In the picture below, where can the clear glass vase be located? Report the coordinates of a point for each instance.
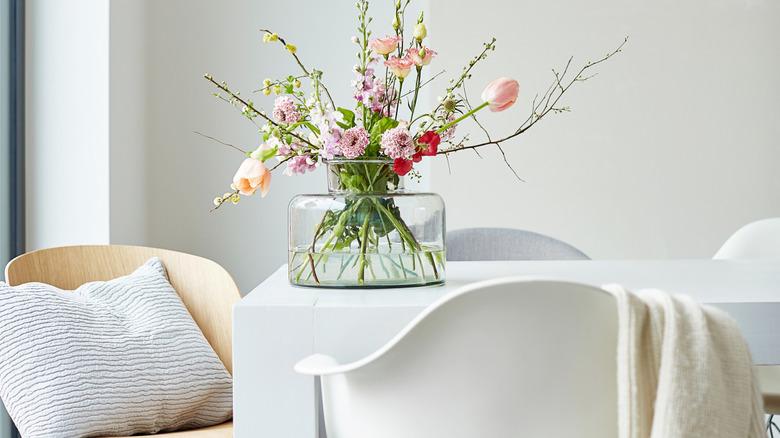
(366, 232)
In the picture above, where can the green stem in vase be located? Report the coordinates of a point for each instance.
(363, 246)
(336, 233)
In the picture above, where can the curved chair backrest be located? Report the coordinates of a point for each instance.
(502, 358)
(206, 289)
(756, 240)
(507, 244)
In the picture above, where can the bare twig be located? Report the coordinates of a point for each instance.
(222, 142)
(222, 86)
(424, 83)
(300, 64)
(548, 102)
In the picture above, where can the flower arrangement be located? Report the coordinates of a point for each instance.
(381, 135)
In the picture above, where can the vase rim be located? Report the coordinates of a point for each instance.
(359, 160)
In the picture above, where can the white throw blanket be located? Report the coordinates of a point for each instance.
(684, 370)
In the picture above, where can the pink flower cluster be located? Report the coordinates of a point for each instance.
(353, 143)
(370, 91)
(300, 164)
(330, 143)
(330, 133)
(398, 142)
(285, 110)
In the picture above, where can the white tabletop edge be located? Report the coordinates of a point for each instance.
(708, 281)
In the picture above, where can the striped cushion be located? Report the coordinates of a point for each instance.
(111, 358)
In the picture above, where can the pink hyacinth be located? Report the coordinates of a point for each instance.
(330, 143)
(300, 164)
(353, 143)
(397, 142)
(285, 111)
(370, 91)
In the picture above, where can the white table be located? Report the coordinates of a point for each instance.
(277, 324)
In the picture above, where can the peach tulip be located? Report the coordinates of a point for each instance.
(251, 175)
(384, 46)
(501, 94)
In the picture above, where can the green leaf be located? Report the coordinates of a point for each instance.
(268, 154)
(312, 128)
(353, 182)
(349, 118)
(381, 126)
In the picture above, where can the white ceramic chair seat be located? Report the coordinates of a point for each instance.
(756, 240)
(501, 358)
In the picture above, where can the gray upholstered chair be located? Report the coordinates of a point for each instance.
(507, 244)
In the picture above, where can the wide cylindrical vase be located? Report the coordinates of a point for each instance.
(366, 232)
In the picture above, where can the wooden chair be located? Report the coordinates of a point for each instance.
(206, 289)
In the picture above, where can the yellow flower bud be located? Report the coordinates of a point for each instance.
(266, 82)
(297, 83)
(396, 23)
(267, 91)
(217, 201)
(420, 32)
(291, 48)
(235, 198)
(277, 89)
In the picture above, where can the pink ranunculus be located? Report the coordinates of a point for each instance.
(399, 66)
(354, 141)
(251, 175)
(420, 57)
(384, 46)
(501, 94)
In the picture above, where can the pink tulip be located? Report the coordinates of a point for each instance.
(384, 46)
(400, 66)
(501, 94)
(420, 59)
(251, 175)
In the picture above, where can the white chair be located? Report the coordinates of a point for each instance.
(507, 244)
(756, 240)
(501, 358)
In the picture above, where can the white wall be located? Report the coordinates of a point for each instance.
(67, 122)
(669, 150)
(127, 122)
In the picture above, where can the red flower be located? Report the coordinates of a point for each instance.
(402, 166)
(431, 141)
(417, 157)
